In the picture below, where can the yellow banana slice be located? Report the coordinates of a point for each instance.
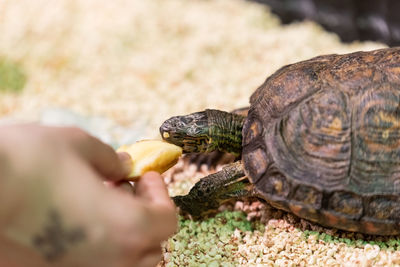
(151, 155)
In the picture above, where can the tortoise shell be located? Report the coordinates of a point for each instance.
(322, 140)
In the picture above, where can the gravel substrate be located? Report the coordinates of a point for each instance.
(137, 63)
(251, 233)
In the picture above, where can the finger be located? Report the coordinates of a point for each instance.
(109, 164)
(150, 213)
(160, 210)
(128, 223)
(123, 186)
(126, 187)
(142, 223)
(150, 258)
(152, 188)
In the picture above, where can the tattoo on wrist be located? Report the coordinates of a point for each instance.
(55, 239)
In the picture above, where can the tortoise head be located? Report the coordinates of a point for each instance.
(191, 132)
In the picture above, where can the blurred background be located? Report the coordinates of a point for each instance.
(350, 19)
(119, 68)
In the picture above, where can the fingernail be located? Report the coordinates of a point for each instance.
(126, 161)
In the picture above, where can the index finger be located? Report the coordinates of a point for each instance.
(102, 157)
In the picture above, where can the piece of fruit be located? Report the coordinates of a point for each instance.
(151, 155)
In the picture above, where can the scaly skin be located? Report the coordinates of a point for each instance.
(213, 190)
(205, 131)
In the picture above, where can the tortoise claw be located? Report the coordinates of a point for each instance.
(211, 191)
(193, 207)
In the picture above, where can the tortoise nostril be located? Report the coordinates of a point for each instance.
(166, 126)
(164, 131)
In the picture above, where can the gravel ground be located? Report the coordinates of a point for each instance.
(136, 63)
(251, 233)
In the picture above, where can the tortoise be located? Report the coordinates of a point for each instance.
(321, 139)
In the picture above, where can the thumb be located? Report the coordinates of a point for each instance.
(152, 193)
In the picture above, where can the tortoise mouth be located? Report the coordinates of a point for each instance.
(170, 136)
(188, 143)
(188, 132)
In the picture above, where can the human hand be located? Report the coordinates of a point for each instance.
(56, 211)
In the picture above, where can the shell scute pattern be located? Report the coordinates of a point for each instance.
(346, 203)
(376, 159)
(308, 196)
(384, 208)
(313, 141)
(276, 184)
(330, 135)
(257, 164)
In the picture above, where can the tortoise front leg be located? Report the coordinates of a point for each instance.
(211, 191)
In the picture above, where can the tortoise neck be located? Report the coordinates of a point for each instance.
(225, 130)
